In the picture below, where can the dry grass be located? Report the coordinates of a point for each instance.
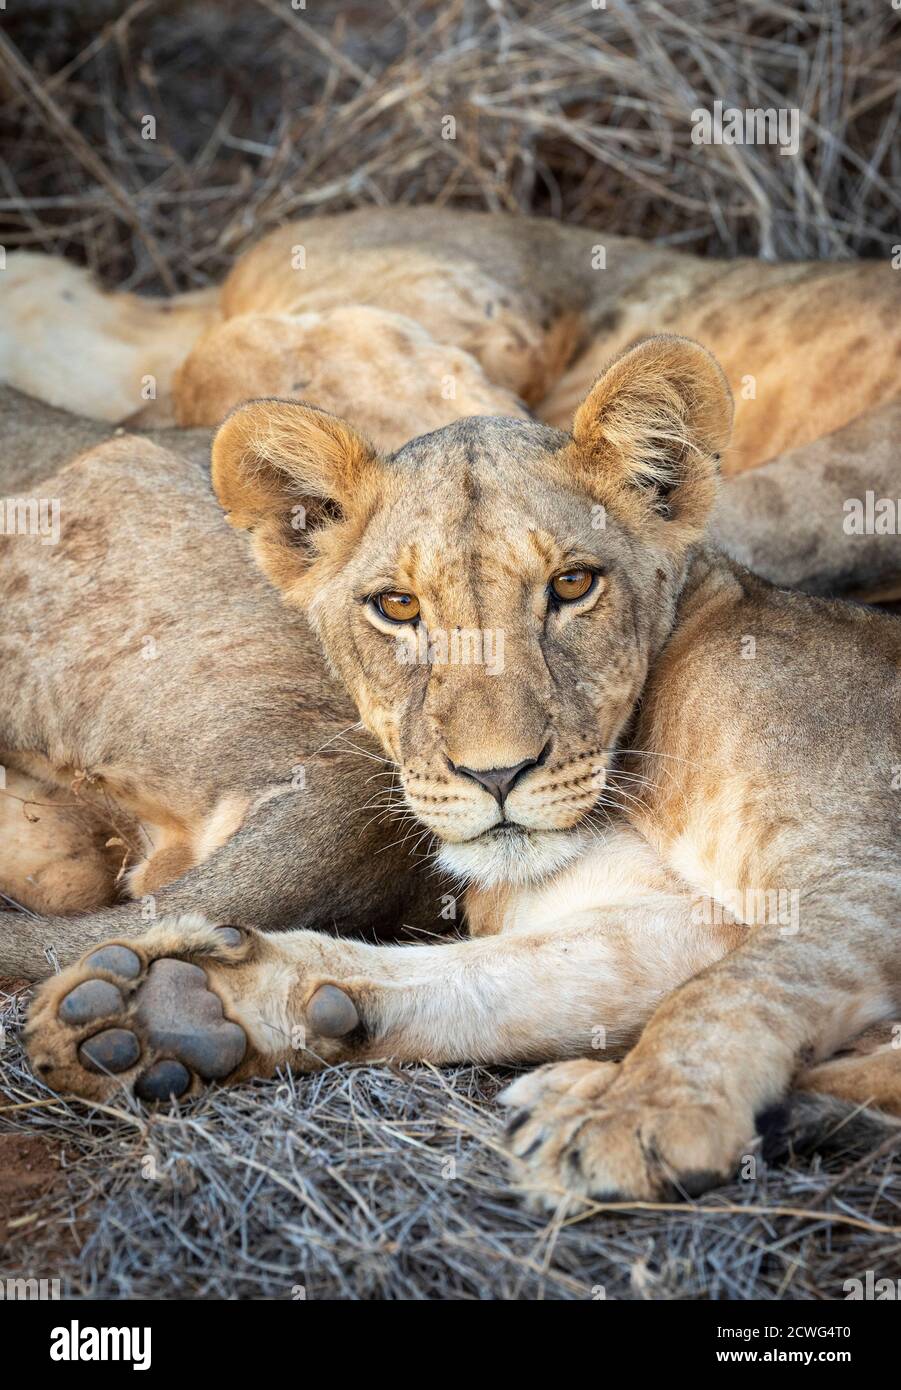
(341, 1183)
(390, 1183)
(264, 113)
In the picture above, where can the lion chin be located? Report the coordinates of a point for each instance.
(512, 855)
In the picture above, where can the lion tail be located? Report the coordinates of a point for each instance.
(110, 356)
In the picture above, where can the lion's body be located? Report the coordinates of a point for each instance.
(197, 699)
(411, 304)
(152, 678)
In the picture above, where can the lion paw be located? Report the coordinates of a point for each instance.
(586, 1129)
(146, 1014)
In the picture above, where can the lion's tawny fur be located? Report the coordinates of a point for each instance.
(727, 769)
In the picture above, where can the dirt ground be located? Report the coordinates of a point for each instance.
(29, 1165)
(28, 1170)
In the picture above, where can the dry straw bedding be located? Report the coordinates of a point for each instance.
(264, 112)
(390, 1183)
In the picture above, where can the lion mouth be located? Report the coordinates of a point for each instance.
(501, 830)
(512, 830)
(512, 833)
(513, 854)
(506, 831)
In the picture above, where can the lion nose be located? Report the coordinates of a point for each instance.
(498, 781)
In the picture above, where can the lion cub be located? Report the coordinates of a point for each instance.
(610, 729)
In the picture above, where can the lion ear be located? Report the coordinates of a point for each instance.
(283, 470)
(653, 428)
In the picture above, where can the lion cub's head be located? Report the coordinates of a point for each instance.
(492, 593)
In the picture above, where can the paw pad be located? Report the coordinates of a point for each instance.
(179, 1014)
(113, 1050)
(160, 1027)
(118, 960)
(331, 1012)
(90, 1000)
(163, 1080)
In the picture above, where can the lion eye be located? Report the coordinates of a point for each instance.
(572, 584)
(398, 608)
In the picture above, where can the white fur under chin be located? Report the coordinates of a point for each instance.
(518, 859)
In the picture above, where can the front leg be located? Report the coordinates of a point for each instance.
(191, 1002)
(675, 1118)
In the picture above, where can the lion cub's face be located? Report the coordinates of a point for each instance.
(494, 633)
(491, 595)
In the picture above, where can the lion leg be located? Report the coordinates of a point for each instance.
(191, 1002)
(719, 1054)
(284, 868)
(870, 1074)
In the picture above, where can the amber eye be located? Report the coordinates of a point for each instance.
(399, 608)
(572, 584)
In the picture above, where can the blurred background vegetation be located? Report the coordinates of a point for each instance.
(264, 112)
